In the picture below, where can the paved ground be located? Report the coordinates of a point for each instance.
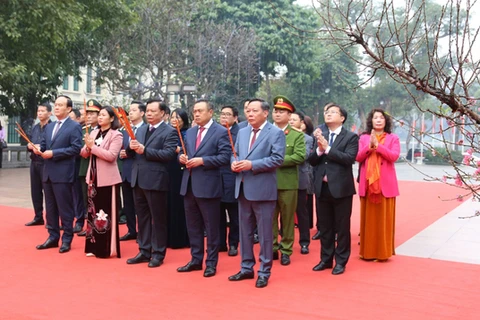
(453, 237)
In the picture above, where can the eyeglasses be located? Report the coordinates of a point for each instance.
(226, 114)
(331, 112)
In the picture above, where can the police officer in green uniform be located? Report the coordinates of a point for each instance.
(287, 180)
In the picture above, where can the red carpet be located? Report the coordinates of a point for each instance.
(47, 285)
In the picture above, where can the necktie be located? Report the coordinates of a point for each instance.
(199, 137)
(332, 135)
(57, 126)
(152, 128)
(253, 138)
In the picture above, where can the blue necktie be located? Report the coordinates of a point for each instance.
(331, 139)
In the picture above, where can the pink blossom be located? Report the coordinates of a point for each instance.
(477, 172)
(470, 151)
(460, 142)
(458, 181)
(470, 135)
(466, 159)
(459, 198)
(444, 179)
(450, 123)
(478, 163)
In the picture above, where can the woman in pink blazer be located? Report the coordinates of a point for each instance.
(378, 150)
(103, 179)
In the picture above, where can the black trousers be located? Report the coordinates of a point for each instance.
(36, 188)
(334, 218)
(129, 207)
(151, 206)
(303, 219)
(230, 208)
(79, 202)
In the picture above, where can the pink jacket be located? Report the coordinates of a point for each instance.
(389, 151)
(107, 154)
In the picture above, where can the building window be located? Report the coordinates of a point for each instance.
(75, 83)
(98, 89)
(89, 80)
(65, 83)
(175, 98)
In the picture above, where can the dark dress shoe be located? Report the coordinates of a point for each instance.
(190, 267)
(35, 222)
(241, 276)
(155, 263)
(122, 220)
(322, 266)
(285, 261)
(209, 272)
(316, 236)
(233, 251)
(48, 244)
(223, 249)
(338, 269)
(82, 234)
(275, 255)
(139, 258)
(128, 236)
(64, 248)
(304, 250)
(262, 282)
(77, 229)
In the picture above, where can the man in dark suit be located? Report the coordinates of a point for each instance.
(136, 113)
(44, 111)
(60, 145)
(154, 146)
(229, 204)
(261, 150)
(207, 151)
(336, 150)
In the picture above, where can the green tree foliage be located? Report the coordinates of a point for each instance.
(40, 41)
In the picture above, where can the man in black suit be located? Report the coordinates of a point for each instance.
(60, 145)
(136, 113)
(334, 187)
(229, 204)
(154, 146)
(207, 151)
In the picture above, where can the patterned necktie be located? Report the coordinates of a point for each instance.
(255, 131)
(199, 137)
(332, 135)
(57, 126)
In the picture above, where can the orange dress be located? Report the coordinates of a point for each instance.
(377, 228)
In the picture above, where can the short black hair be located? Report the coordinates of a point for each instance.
(300, 114)
(264, 104)
(209, 104)
(308, 125)
(116, 123)
(183, 115)
(343, 112)
(167, 110)
(69, 100)
(141, 105)
(46, 104)
(234, 110)
(75, 111)
(162, 105)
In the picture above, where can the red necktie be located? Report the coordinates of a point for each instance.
(253, 138)
(199, 137)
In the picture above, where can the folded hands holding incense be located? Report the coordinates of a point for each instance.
(190, 163)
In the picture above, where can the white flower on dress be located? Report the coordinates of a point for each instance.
(102, 215)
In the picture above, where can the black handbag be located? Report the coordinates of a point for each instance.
(3, 145)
